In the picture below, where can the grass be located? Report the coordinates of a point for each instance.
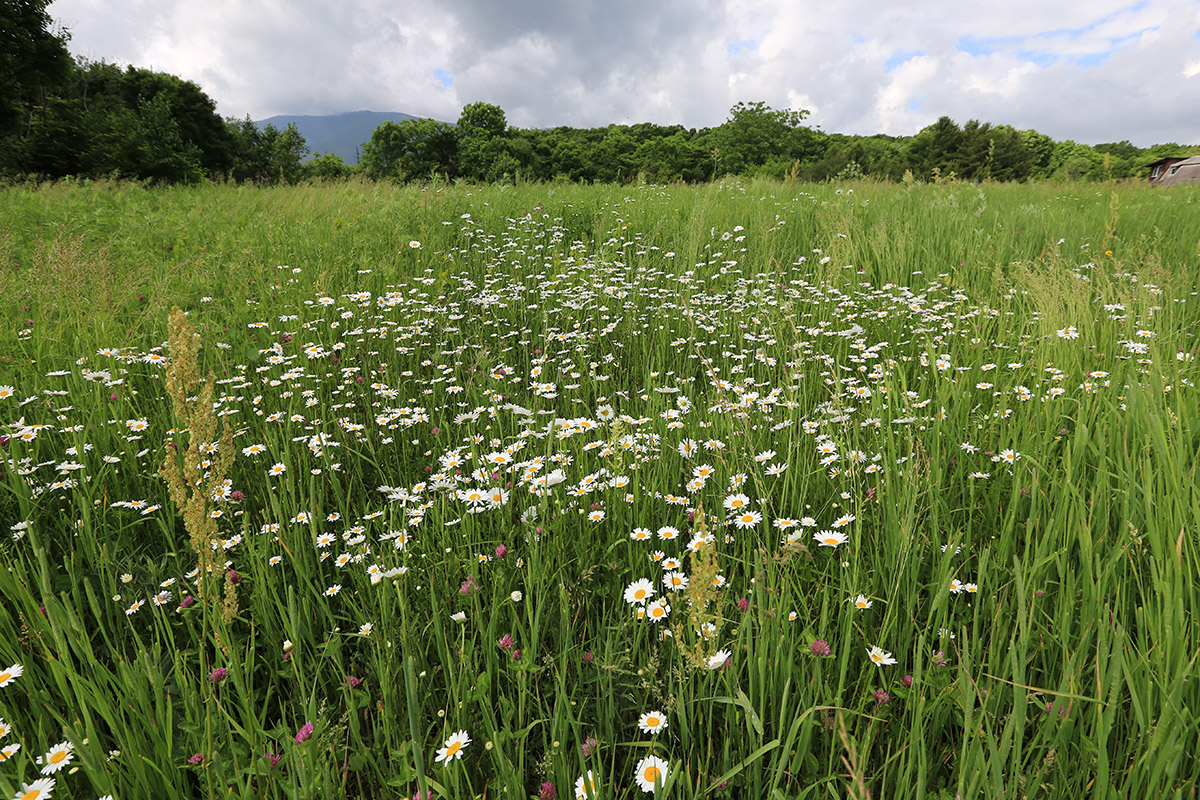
(638, 383)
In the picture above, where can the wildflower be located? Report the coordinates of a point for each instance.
(843, 521)
(743, 604)
(365, 629)
(719, 659)
(547, 791)
(907, 681)
(37, 790)
(196, 758)
(747, 519)
(11, 674)
(305, 733)
(59, 756)
(820, 648)
(333, 590)
(658, 610)
(639, 591)
(880, 658)
(736, 501)
(454, 747)
(675, 581)
(651, 770)
(882, 697)
(829, 538)
(586, 787)
(506, 642)
(8, 751)
(460, 616)
(217, 675)
(652, 722)
(861, 602)
(277, 469)
(516, 596)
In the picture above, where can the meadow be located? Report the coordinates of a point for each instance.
(747, 490)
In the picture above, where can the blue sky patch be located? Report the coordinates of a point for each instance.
(899, 57)
(445, 77)
(744, 46)
(1039, 57)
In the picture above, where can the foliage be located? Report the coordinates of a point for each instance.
(34, 61)
(267, 155)
(415, 148)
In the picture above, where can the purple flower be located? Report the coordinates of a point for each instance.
(506, 642)
(881, 696)
(588, 657)
(187, 602)
(501, 551)
(305, 733)
(234, 577)
(236, 496)
(468, 585)
(274, 759)
(217, 675)
(907, 681)
(196, 759)
(820, 648)
(743, 604)
(547, 791)
(588, 746)
(516, 654)
(353, 682)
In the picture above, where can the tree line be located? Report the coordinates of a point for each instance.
(62, 117)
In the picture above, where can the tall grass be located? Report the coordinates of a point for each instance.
(1013, 363)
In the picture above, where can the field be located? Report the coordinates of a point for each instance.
(747, 490)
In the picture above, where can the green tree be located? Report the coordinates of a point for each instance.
(937, 146)
(326, 167)
(415, 148)
(267, 155)
(481, 131)
(1040, 148)
(34, 61)
(755, 134)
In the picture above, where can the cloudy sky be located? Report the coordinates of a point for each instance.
(1089, 70)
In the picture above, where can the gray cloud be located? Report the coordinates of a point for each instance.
(1119, 70)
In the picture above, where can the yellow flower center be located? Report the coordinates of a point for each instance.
(452, 749)
(652, 722)
(5, 676)
(639, 594)
(651, 774)
(32, 794)
(58, 757)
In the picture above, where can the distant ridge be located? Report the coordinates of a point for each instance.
(340, 134)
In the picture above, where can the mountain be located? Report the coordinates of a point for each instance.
(340, 134)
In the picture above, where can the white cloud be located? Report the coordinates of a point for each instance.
(1116, 69)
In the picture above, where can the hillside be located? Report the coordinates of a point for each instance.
(340, 134)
